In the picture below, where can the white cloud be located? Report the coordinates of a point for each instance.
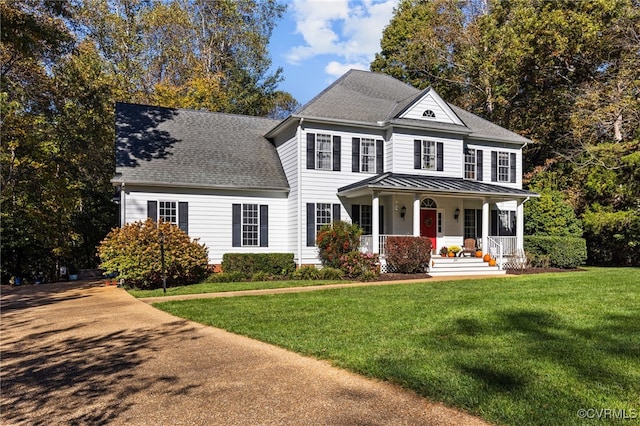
(336, 69)
(350, 31)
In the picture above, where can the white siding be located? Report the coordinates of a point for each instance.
(210, 219)
(288, 152)
(489, 147)
(403, 155)
(431, 101)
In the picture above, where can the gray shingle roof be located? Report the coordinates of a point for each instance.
(403, 182)
(374, 98)
(177, 147)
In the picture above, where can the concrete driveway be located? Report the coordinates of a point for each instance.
(80, 353)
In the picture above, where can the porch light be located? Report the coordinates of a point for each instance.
(403, 211)
(456, 214)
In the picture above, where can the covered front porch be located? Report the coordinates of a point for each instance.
(446, 210)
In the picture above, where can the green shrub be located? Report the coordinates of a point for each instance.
(562, 252)
(278, 264)
(261, 276)
(551, 214)
(336, 240)
(307, 272)
(133, 252)
(329, 273)
(360, 266)
(408, 255)
(226, 277)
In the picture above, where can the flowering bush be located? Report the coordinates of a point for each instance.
(336, 240)
(133, 252)
(408, 255)
(360, 266)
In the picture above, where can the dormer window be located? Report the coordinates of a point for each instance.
(429, 114)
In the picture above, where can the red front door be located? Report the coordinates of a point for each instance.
(428, 226)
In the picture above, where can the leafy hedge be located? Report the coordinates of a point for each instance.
(560, 252)
(408, 255)
(133, 252)
(278, 264)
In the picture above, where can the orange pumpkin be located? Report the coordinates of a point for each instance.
(486, 257)
(451, 254)
(479, 253)
(492, 262)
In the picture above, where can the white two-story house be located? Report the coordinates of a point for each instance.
(369, 149)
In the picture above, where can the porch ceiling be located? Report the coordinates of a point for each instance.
(394, 182)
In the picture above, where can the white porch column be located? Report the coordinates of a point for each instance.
(375, 226)
(416, 215)
(485, 226)
(520, 226)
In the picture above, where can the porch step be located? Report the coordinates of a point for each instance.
(450, 266)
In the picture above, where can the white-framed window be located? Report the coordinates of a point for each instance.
(429, 155)
(250, 225)
(367, 155)
(470, 163)
(168, 211)
(440, 223)
(366, 219)
(324, 152)
(471, 226)
(323, 215)
(503, 166)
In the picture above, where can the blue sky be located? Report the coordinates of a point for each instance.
(319, 40)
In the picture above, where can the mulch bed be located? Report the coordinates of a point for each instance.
(404, 277)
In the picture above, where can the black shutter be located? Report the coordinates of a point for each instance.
(336, 212)
(355, 155)
(152, 210)
(355, 214)
(311, 224)
(417, 154)
(512, 163)
(379, 156)
(478, 224)
(381, 220)
(264, 226)
(311, 151)
(440, 156)
(494, 166)
(183, 216)
(337, 146)
(236, 219)
(478, 164)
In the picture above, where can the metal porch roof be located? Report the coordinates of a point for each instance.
(434, 184)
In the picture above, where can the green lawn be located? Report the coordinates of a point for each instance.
(532, 349)
(223, 287)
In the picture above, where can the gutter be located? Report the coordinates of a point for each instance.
(189, 185)
(299, 194)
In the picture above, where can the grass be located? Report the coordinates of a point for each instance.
(532, 349)
(223, 287)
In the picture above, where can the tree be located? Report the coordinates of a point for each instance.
(565, 74)
(190, 53)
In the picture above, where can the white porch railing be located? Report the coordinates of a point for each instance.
(496, 250)
(366, 243)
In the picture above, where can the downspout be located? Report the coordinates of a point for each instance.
(299, 192)
(123, 206)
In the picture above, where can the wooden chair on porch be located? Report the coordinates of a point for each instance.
(469, 247)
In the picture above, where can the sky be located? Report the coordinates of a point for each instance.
(317, 41)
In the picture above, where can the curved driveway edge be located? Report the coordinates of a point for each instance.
(80, 353)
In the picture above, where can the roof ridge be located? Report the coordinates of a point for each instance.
(199, 111)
